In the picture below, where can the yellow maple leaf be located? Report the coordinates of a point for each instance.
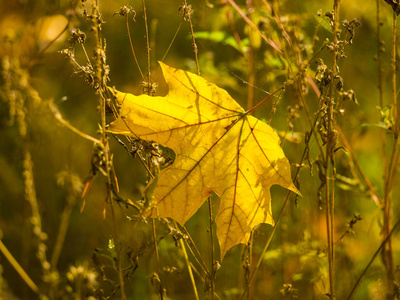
(219, 148)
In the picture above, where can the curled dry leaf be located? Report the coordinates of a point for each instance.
(219, 148)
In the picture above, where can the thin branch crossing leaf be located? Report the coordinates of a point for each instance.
(219, 148)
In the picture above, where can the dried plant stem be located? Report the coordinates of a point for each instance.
(313, 131)
(23, 99)
(370, 187)
(153, 42)
(212, 270)
(250, 64)
(202, 279)
(118, 250)
(387, 251)
(329, 222)
(394, 88)
(229, 17)
(86, 55)
(182, 244)
(62, 231)
(278, 22)
(47, 46)
(132, 48)
(101, 77)
(372, 260)
(147, 47)
(110, 198)
(300, 64)
(18, 268)
(196, 253)
(250, 261)
(193, 40)
(66, 124)
(30, 191)
(330, 155)
(30, 195)
(169, 46)
(380, 87)
(250, 246)
(253, 26)
(158, 266)
(266, 98)
(172, 41)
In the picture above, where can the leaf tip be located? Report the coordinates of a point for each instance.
(294, 189)
(163, 65)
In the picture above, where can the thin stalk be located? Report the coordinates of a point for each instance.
(173, 40)
(394, 170)
(212, 277)
(193, 40)
(250, 63)
(372, 260)
(118, 249)
(182, 244)
(41, 51)
(370, 187)
(147, 48)
(31, 197)
(394, 88)
(100, 75)
(314, 132)
(86, 55)
(202, 279)
(250, 245)
(387, 252)
(330, 157)
(253, 26)
(229, 17)
(153, 35)
(266, 98)
(17, 267)
(161, 290)
(62, 231)
(66, 124)
(197, 256)
(329, 234)
(380, 87)
(132, 48)
(266, 245)
(169, 46)
(278, 22)
(300, 65)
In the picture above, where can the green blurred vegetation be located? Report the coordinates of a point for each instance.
(36, 78)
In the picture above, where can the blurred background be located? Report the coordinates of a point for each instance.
(46, 163)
